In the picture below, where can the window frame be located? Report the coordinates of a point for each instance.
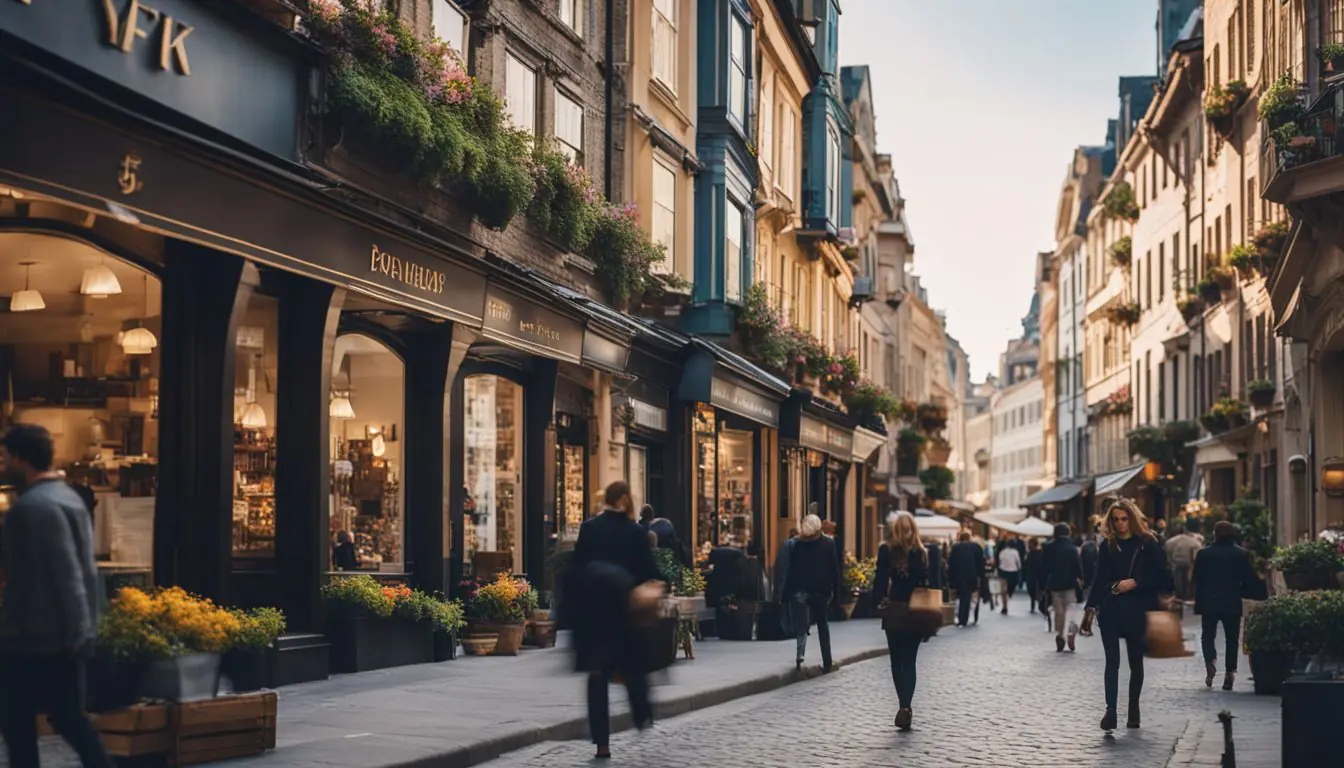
(738, 69)
(510, 58)
(575, 154)
(788, 150)
(666, 17)
(668, 265)
(459, 48)
(832, 171)
(575, 21)
(730, 204)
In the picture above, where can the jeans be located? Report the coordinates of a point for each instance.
(59, 682)
(1059, 606)
(904, 649)
(1231, 631)
(1182, 578)
(1134, 647)
(964, 598)
(599, 710)
(816, 607)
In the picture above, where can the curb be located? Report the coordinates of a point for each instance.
(571, 730)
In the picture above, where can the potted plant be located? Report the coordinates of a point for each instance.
(1191, 307)
(1120, 203)
(937, 482)
(1224, 276)
(1209, 291)
(501, 607)
(1332, 56)
(909, 447)
(1222, 102)
(938, 452)
(1126, 314)
(863, 602)
(1276, 632)
(1233, 410)
(1309, 564)
(1280, 104)
(367, 628)
(167, 644)
(1261, 393)
(250, 662)
(841, 377)
(1269, 242)
(1244, 259)
(443, 617)
(689, 591)
(854, 579)
(850, 253)
(932, 417)
(1122, 251)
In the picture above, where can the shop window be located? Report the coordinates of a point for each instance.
(571, 452)
(255, 353)
(368, 398)
(724, 478)
(492, 538)
(80, 356)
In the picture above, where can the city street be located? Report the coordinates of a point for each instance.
(993, 695)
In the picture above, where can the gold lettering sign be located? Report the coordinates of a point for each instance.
(124, 28)
(406, 272)
(540, 330)
(498, 310)
(129, 180)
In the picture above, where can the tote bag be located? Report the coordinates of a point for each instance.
(923, 615)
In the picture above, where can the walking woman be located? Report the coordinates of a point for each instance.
(902, 565)
(807, 574)
(1130, 570)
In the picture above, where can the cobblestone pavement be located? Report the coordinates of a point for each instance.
(994, 695)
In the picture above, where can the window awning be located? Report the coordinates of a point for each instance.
(910, 487)
(1114, 481)
(1064, 492)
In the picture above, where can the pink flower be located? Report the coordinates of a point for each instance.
(385, 40)
(328, 12)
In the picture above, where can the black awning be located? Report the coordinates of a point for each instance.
(1064, 492)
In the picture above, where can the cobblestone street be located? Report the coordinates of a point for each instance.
(993, 695)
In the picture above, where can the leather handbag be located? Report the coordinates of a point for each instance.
(922, 615)
(1164, 638)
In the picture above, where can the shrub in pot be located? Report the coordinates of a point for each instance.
(366, 629)
(250, 663)
(1309, 564)
(1261, 393)
(1275, 632)
(501, 607)
(444, 617)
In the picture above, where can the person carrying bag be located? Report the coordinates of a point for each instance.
(910, 611)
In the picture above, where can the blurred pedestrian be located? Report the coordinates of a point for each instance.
(1061, 575)
(1130, 571)
(1010, 571)
(49, 612)
(1222, 576)
(1031, 574)
(902, 566)
(646, 516)
(1180, 552)
(807, 580)
(1088, 553)
(965, 568)
(669, 539)
(614, 572)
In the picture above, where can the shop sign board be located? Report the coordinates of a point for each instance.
(195, 59)
(601, 352)
(744, 402)
(519, 322)
(820, 436)
(649, 416)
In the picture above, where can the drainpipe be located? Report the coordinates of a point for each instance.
(609, 83)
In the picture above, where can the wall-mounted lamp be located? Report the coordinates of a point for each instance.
(1332, 477)
(1152, 471)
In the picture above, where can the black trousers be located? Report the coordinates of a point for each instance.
(1135, 635)
(54, 685)
(1231, 634)
(904, 650)
(964, 598)
(599, 708)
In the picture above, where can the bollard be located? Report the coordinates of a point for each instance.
(1229, 748)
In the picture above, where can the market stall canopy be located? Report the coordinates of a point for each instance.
(960, 506)
(996, 522)
(1112, 482)
(980, 499)
(1036, 527)
(909, 487)
(1060, 494)
(936, 526)
(1008, 514)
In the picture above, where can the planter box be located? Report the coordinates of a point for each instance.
(1311, 707)
(1262, 398)
(189, 733)
(193, 677)
(735, 624)
(249, 669)
(689, 606)
(360, 644)
(1303, 581)
(113, 685)
(1270, 669)
(445, 646)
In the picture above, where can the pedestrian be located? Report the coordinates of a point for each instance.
(1222, 576)
(965, 568)
(646, 516)
(1010, 571)
(902, 565)
(1031, 573)
(49, 614)
(1180, 552)
(807, 579)
(1089, 552)
(669, 540)
(1130, 571)
(1061, 575)
(614, 572)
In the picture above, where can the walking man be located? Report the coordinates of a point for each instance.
(965, 569)
(49, 618)
(1181, 551)
(1222, 576)
(1062, 573)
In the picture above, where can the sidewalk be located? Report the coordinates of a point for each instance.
(471, 710)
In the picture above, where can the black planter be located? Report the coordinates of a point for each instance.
(113, 684)
(1303, 581)
(360, 644)
(863, 606)
(1211, 293)
(770, 623)
(1311, 707)
(1270, 669)
(250, 669)
(445, 646)
(192, 677)
(735, 624)
(1262, 398)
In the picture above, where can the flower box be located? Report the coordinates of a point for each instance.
(249, 669)
(1304, 581)
(363, 643)
(445, 646)
(1270, 669)
(1262, 397)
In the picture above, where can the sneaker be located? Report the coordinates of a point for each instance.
(1228, 680)
(1108, 720)
(1059, 644)
(1210, 672)
(903, 718)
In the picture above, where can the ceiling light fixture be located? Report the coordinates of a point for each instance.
(139, 340)
(340, 406)
(26, 300)
(99, 282)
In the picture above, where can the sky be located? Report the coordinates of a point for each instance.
(981, 103)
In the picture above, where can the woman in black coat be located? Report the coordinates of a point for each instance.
(1131, 569)
(902, 566)
(611, 557)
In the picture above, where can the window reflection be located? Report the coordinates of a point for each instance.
(493, 442)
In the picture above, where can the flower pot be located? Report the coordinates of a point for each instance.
(360, 644)
(249, 669)
(1236, 419)
(510, 636)
(1262, 398)
(689, 606)
(938, 457)
(1304, 581)
(192, 677)
(113, 683)
(1211, 293)
(1270, 669)
(480, 644)
(847, 609)
(540, 634)
(1311, 706)
(445, 646)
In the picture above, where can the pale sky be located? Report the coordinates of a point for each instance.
(980, 104)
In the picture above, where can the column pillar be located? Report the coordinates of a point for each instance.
(310, 313)
(538, 493)
(205, 293)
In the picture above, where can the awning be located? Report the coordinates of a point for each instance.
(1010, 514)
(866, 443)
(1112, 482)
(1211, 451)
(1064, 492)
(909, 487)
(960, 506)
(996, 522)
(1035, 526)
(936, 526)
(980, 499)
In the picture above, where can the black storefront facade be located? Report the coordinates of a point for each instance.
(280, 367)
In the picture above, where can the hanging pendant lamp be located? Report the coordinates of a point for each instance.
(139, 340)
(99, 282)
(26, 300)
(254, 417)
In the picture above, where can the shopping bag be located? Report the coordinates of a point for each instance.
(923, 615)
(1165, 639)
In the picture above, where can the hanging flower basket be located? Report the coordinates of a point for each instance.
(1209, 291)
(1261, 393)
(1224, 276)
(1191, 307)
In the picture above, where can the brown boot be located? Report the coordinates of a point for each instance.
(903, 718)
(1210, 672)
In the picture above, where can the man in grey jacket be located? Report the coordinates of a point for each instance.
(49, 617)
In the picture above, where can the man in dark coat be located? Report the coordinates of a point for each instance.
(1061, 574)
(965, 567)
(611, 558)
(1222, 577)
(1089, 553)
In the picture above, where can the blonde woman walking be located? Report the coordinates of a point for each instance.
(902, 566)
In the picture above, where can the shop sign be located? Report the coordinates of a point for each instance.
(518, 322)
(744, 402)
(820, 436)
(649, 416)
(181, 53)
(601, 352)
(75, 159)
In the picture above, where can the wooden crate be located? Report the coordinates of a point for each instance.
(136, 731)
(223, 728)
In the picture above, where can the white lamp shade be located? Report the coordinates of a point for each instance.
(26, 300)
(379, 445)
(138, 341)
(99, 282)
(254, 417)
(341, 408)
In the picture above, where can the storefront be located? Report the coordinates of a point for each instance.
(816, 449)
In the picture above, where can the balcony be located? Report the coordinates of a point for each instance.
(1302, 162)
